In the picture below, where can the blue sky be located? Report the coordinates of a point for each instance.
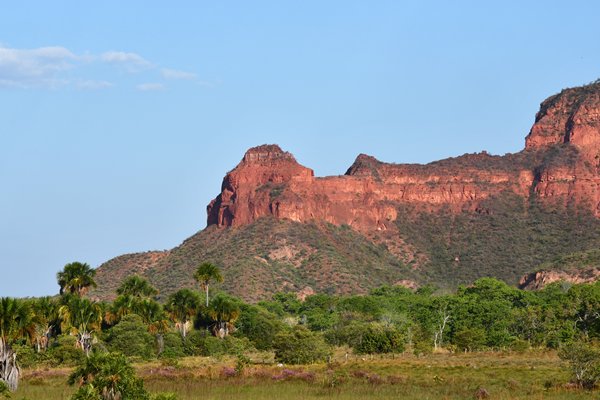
(118, 120)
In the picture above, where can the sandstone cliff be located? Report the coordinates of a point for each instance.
(275, 226)
(270, 182)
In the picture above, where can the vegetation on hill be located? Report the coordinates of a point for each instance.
(573, 262)
(506, 238)
(269, 256)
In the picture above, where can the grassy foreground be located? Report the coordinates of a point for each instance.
(436, 376)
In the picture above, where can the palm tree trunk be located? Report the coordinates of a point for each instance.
(85, 342)
(160, 341)
(9, 369)
(206, 295)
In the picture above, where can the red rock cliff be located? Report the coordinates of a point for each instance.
(560, 164)
(570, 118)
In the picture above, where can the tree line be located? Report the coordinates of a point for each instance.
(70, 328)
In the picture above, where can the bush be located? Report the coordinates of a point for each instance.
(212, 347)
(380, 339)
(470, 339)
(27, 356)
(584, 361)
(131, 337)
(258, 325)
(349, 334)
(194, 342)
(107, 376)
(173, 346)
(300, 346)
(64, 351)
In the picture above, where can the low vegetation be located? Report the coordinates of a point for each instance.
(483, 338)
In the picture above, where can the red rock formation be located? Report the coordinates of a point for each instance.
(540, 279)
(571, 117)
(269, 181)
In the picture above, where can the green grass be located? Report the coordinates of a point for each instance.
(535, 375)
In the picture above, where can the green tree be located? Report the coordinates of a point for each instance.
(470, 339)
(155, 319)
(46, 321)
(584, 360)
(76, 278)
(137, 287)
(131, 337)
(224, 311)
(107, 376)
(17, 321)
(82, 318)
(300, 346)
(377, 339)
(585, 300)
(133, 293)
(182, 306)
(205, 273)
(258, 325)
(122, 306)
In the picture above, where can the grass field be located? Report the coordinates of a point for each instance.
(437, 376)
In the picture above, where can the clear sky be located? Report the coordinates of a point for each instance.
(118, 119)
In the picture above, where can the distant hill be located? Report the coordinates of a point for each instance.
(277, 227)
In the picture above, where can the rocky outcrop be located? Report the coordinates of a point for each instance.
(579, 267)
(269, 181)
(540, 279)
(560, 165)
(570, 118)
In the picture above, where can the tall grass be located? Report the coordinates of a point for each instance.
(437, 376)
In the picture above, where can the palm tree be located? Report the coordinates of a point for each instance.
(224, 311)
(137, 287)
(82, 318)
(16, 322)
(46, 319)
(132, 292)
(152, 314)
(107, 376)
(182, 306)
(205, 273)
(76, 278)
(122, 306)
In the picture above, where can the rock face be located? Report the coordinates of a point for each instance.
(560, 165)
(571, 117)
(446, 223)
(539, 279)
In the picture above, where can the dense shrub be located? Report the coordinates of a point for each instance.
(173, 344)
(470, 339)
(258, 325)
(380, 339)
(193, 344)
(107, 376)
(131, 337)
(300, 346)
(65, 352)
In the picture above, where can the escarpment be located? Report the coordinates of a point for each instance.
(275, 226)
(559, 165)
